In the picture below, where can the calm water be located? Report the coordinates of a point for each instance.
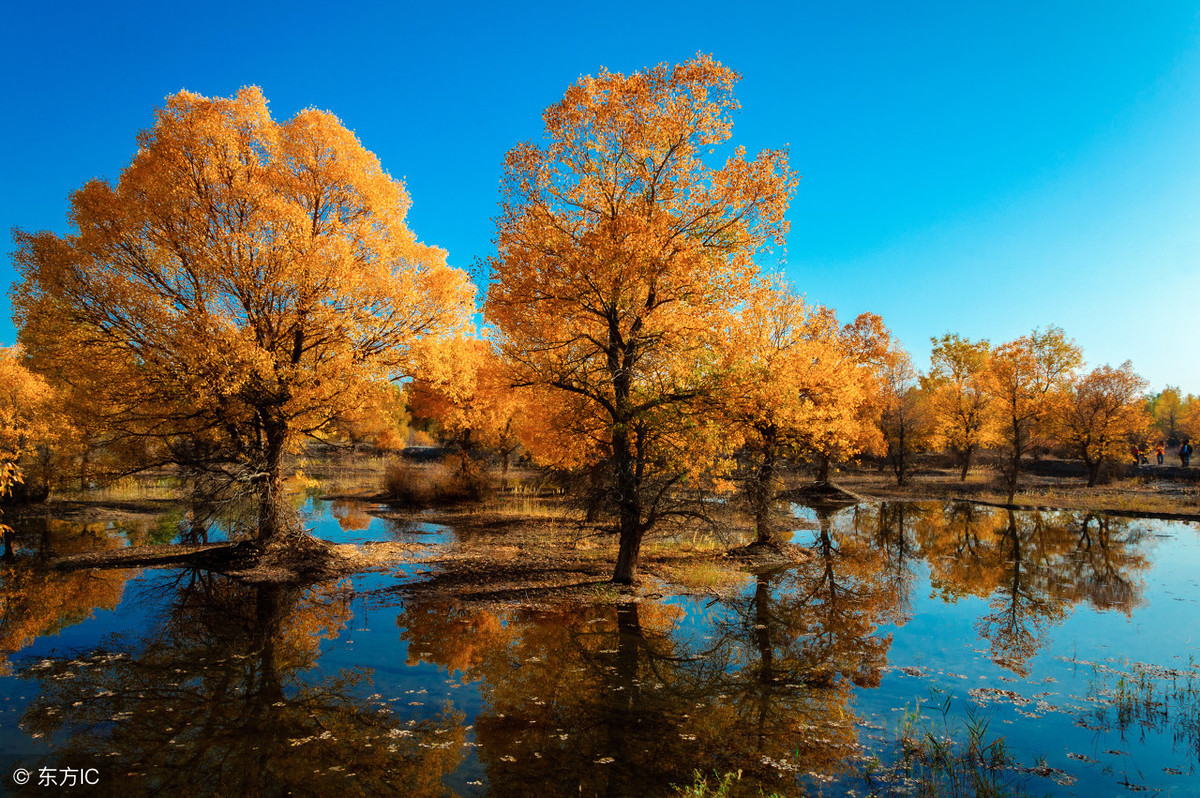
(1072, 636)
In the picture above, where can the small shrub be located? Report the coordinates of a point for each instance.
(448, 482)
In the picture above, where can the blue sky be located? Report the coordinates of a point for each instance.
(981, 169)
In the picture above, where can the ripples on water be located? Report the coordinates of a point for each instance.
(1071, 635)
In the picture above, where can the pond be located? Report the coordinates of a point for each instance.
(913, 629)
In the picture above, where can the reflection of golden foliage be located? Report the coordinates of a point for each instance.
(36, 602)
(321, 614)
(568, 689)
(216, 700)
(1032, 566)
(74, 537)
(350, 516)
(455, 637)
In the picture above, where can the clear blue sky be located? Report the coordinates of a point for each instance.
(967, 168)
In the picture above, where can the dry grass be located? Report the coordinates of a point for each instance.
(357, 475)
(708, 576)
(524, 499)
(695, 541)
(420, 485)
(128, 490)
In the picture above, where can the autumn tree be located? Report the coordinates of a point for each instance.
(1191, 417)
(905, 417)
(241, 285)
(31, 426)
(958, 384)
(1176, 416)
(1101, 411)
(472, 403)
(1166, 409)
(1029, 380)
(791, 383)
(381, 420)
(621, 248)
(852, 428)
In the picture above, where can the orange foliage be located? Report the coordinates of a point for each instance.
(1100, 413)
(792, 386)
(905, 415)
(474, 404)
(621, 251)
(27, 415)
(1029, 377)
(244, 282)
(961, 396)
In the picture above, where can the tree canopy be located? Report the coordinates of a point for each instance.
(241, 285)
(621, 250)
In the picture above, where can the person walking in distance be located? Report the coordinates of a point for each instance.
(1185, 454)
(1158, 452)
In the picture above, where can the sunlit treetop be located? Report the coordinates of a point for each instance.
(240, 284)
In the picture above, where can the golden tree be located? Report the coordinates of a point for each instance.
(1176, 416)
(1029, 380)
(958, 383)
(1102, 411)
(863, 352)
(1190, 415)
(31, 427)
(790, 383)
(241, 285)
(380, 421)
(1167, 409)
(472, 403)
(621, 250)
(905, 418)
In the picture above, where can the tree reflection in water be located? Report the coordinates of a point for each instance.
(37, 600)
(1032, 566)
(216, 699)
(629, 699)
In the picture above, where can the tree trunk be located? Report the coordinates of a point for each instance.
(596, 491)
(629, 508)
(627, 559)
(84, 462)
(270, 606)
(270, 509)
(762, 495)
(1093, 472)
(899, 462)
(1012, 469)
(965, 457)
(468, 445)
(1011, 474)
(823, 469)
